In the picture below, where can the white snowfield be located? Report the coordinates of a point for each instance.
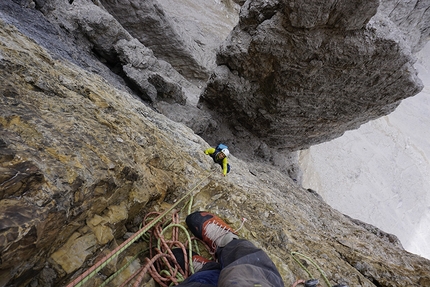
(380, 173)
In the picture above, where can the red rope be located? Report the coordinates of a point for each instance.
(162, 265)
(104, 261)
(84, 277)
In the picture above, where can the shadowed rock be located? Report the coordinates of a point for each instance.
(295, 74)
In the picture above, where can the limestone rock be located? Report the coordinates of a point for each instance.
(156, 80)
(199, 121)
(69, 155)
(293, 74)
(83, 159)
(147, 22)
(97, 30)
(345, 15)
(74, 252)
(412, 17)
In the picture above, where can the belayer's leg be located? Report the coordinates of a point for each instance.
(207, 271)
(242, 263)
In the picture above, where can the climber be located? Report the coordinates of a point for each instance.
(239, 262)
(219, 155)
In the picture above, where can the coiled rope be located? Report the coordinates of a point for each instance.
(84, 277)
(163, 266)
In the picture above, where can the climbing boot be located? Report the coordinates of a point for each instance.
(197, 260)
(211, 229)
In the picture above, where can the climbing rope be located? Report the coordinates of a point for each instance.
(162, 265)
(87, 275)
(313, 263)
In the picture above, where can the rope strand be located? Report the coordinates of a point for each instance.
(313, 263)
(83, 278)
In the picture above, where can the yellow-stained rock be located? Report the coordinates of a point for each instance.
(103, 234)
(73, 254)
(117, 213)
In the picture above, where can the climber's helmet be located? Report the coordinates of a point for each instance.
(222, 154)
(225, 152)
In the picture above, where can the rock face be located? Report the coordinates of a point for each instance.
(412, 18)
(293, 74)
(384, 169)
(83, 158)
(79, 161)
(148, 23)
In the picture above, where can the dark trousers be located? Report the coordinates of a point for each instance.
(240, 263)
